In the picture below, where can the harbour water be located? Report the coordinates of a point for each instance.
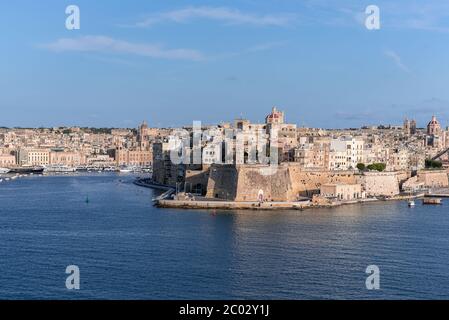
(128, 249)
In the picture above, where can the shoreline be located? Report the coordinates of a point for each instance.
(255, 206)
(215, 204)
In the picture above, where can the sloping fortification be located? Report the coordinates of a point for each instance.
(273, 183)
(286, 182)
(222, 182)
(434, 178)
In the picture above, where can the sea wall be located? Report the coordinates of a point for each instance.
(381, 183)
(286, 182)
(306, 183)
(196, 181)
(232, 205)
(289, 182)
(273, 184)
(222, 182)
(433, 178)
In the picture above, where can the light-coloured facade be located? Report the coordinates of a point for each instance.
(38, 157)
(65, 158)
(134, 157)
(342, 192)
(338, 155)
(399, 160)
(7, 160)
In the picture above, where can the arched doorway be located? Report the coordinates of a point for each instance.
(260, 196)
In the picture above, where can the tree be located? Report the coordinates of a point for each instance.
(433, 164)
(361, 166)
(377, 167)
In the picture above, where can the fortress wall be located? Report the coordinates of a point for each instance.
(411, 183)
(306, 183)
(286, 182)
(222, 183)
(433, 178)
(381, 183)
(402, 177)
(273, 183)
(197, 180)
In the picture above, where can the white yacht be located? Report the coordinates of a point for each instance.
(81, 168)
(126, 169)
(4, 170)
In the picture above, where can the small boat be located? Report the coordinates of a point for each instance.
(411, 203)
(4, 170)
(125, 169)
(147, 169)
(434, 201)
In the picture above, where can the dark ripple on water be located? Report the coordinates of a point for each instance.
(126, 249)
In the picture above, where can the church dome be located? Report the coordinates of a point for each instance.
(434, 121)
(434, 126)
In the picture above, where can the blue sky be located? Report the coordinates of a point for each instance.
(172, 62)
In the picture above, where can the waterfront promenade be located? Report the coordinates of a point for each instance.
(172, 199)
(231, 205)
(186, 201)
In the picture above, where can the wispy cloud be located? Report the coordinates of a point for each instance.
(266, 46)
(223, 14)
(397, 60)
(429, 15)
(109, 45)
(250, 50)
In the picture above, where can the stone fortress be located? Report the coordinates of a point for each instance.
(290, 182)
(313, 164)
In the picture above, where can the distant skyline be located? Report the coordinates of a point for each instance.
(138, 123)
(174, 62)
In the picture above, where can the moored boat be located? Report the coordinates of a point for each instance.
(125, 169)
(27, 170)
(59, 168)
(434, 201)
(4, 170)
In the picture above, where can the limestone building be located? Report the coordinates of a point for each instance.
(7, 160)
(342, 192)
